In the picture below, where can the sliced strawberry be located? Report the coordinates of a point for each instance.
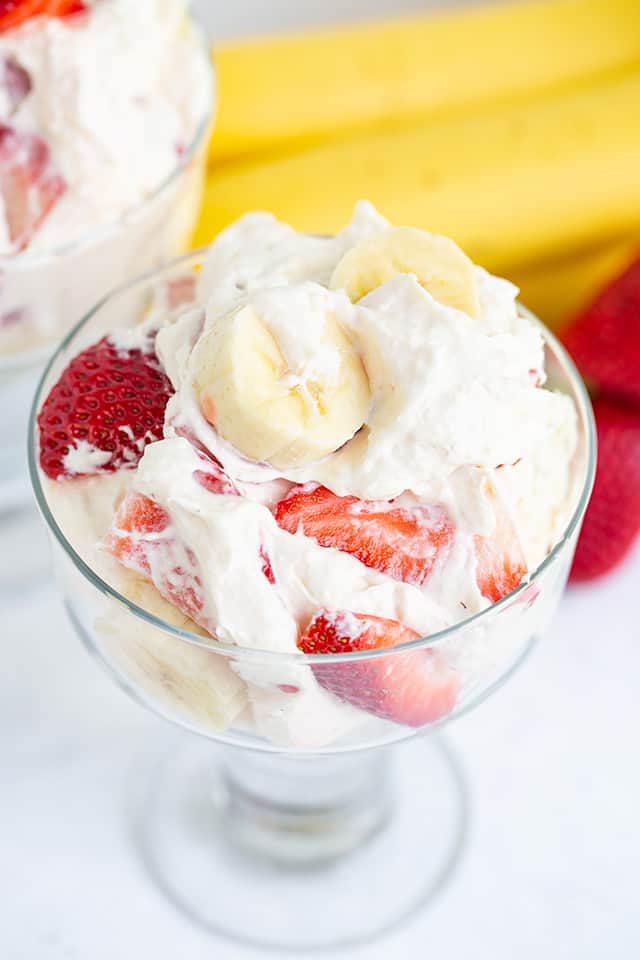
(15, 12)
(402, 541)
(109, 399)
(604, 339)
(29, 185)
(16, 83)
(128, 541)
(612, 521)
(501, 564)
(62, 8)
(213, 478)
(413, 688)
(142, 539)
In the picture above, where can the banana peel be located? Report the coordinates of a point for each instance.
(295, 89)
(510, 185)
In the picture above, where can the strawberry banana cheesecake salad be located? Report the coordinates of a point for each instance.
(341, 444)
(100, 103)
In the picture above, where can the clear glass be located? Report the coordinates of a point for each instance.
(249, 813)
(44, 294)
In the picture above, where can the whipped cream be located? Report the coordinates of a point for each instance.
(449, 391)
(459, 421)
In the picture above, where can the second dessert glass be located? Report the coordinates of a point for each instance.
(306, 846)
(43, 294)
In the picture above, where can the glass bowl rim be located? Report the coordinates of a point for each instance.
(22, 359)
(585, 413)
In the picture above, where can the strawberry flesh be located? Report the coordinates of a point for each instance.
(135, 520)
(113, 400)
(403, 542)
(15, 12)
(29, 185)
(143, 540)
(412, 688)
(501, 564)
(215, 480)
(612, 520)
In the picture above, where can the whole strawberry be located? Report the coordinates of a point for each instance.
(612, 521)
(604, 339)
(106, 407)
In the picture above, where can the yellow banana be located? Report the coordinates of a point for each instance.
(284, 400)
(301, 87)
(438, 264)
(510, 185)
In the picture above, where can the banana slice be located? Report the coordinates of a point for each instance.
(190, 683)
(282, 383)
(438, 263)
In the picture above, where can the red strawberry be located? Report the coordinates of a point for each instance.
(137, 517)
(215, 480)
(604, 340)
(29, 185)
(501, 563)
(142, 539)
(612, 521)
(413, 688)
(110, 399)
(15, 12)
(401, 541)
(267, 569)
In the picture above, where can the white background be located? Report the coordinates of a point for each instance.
(551, 867)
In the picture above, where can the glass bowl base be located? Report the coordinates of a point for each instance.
(395, 866)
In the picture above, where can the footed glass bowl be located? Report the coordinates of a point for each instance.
(285, 799)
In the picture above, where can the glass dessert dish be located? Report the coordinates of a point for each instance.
(253, 837)
(56, 266)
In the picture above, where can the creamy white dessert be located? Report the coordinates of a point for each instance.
(358, 450)
(98, 110)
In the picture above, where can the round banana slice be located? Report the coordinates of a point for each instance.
(438, 263)
(287, 401)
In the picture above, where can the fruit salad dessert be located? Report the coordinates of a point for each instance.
(314, 445)
(102, 103)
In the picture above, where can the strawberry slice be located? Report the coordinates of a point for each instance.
(612, 522)
(501, 564)
(29, 185)
(413, 688)
(15, 12)
(402, 541)
(142, 539)
(604, 339)
(108, 401)
(136, 522)
(212, 477)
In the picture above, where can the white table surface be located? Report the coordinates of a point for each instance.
(551, 867)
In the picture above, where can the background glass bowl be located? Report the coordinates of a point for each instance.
(44, 294)
(307, 787)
